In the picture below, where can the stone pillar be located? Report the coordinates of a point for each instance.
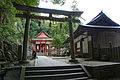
(20, 54)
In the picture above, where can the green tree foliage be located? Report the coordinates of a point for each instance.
(12, 28)
(60, 2)
(35, 28)
(8, 30)
(58, 32)
(61, 34)
(74, 6)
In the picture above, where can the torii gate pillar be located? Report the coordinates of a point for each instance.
(26, 33)
(72, 49)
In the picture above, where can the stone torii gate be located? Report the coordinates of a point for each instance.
(70, 18)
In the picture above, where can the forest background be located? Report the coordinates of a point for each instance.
(12, 28)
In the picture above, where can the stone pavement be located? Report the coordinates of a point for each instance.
(84, 61)
(61, 61)
(47, 61)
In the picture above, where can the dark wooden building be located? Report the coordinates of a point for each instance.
(100, 33)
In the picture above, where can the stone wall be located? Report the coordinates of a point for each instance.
(15, 74)
(105, 72)
(8, 51)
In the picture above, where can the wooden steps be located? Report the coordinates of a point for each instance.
(70, 72)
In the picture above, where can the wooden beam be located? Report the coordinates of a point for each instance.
(47, 18)
(44, 10)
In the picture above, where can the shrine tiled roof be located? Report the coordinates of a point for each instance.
(102, 20)
(42, 34)
(103, 27)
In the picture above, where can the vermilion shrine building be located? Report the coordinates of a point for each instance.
(41, 43)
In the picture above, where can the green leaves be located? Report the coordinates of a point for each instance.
(61, 2)
(11, 32)
(74, 6)
(8, 30)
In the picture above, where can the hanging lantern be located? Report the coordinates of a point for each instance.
(50, 24)
(63, 31)
(43, 21)
(55, 24)
(60, 25)
(39, 23)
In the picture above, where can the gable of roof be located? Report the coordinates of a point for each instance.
(42, 34)
(102, 20)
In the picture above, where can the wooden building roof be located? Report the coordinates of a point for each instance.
(101, 21)
(99, 27)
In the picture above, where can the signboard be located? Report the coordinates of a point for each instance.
(37, 42)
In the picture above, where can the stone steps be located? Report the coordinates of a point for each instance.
(52, 67)
(81, 78)
(47, 72)
(69, 72)
(55, 76)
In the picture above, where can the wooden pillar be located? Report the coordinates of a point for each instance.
(81, 48)
(40, 46)
(92, 46)
(0, 67)
(45, 47)
(111, 52)
(72, 52)
(26, 32)
(35, 47)
(51, 50)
